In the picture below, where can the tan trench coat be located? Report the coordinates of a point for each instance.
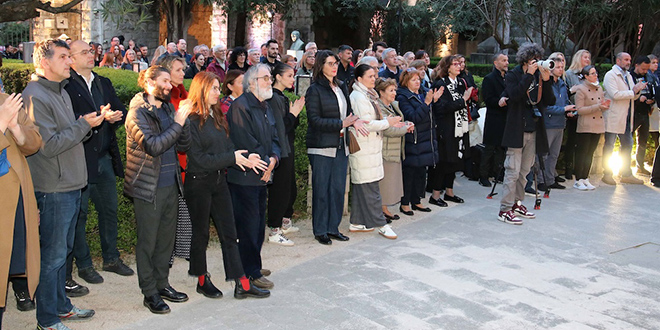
(18, 178)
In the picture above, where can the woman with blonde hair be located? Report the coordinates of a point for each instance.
(581, 59)
(306, 64)
(157, 54)
(206, 190)
(127, 62)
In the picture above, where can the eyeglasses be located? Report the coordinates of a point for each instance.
(335, 64)
(265, 78)
(84, 52)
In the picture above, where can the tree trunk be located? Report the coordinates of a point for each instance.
(239, 33)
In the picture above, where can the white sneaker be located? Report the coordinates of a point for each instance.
(588, 184)
(387, 232)
(359, 228)
(278, 237)
(579, 185)
(287, 226)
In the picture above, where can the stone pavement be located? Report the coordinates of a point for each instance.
(460, 268)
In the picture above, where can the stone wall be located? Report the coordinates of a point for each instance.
(49, 25)
(199, 31)
(302, 21)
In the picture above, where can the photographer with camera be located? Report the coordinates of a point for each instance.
(530, 92)
(643, 109)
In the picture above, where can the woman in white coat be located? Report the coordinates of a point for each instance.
(367, 164)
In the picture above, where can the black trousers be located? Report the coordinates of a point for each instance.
(641, 127)
(442, 176)
(492, 161)
(570, 147)
(655, 173)
(250, 215)
(282, 192)
(586, 145)
(414, 180)
(207, 196)
(156, 227)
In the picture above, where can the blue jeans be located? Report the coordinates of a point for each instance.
(58, 214)
(328, 188)
(625, 151)
(103, 194)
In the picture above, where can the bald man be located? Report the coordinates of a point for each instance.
(93, 93)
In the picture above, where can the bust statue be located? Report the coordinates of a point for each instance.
(297, 43)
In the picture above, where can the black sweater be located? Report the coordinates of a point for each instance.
(211, 149)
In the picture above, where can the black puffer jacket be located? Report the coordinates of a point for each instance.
(145, 143)
(323, 117)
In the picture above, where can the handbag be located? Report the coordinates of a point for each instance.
(353, 145)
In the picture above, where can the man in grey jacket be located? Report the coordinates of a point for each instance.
(59, 173)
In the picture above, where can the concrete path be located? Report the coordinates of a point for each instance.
(579, 265)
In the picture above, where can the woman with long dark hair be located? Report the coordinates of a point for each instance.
(451, 114)
(282, 192)
(206, 190)
(329, 113)
(196, 65)
(367, 163)
(232, 88)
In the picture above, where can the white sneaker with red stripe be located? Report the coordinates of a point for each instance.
(509, 217)
(521, 211)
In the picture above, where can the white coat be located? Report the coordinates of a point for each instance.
(367, 164)
(622, 98)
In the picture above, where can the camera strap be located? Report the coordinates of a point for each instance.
(538, 98)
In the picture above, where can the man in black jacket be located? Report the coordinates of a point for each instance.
(154, 133)
(529, 89)
(493, 91)
(643, 109)
(252, 128)
(91, 93)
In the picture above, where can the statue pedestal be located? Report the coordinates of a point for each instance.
(297, 53)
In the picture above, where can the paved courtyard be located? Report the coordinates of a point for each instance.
(589, 261)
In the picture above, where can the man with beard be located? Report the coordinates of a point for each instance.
(154, 133)
(272, 49)
(252, 128)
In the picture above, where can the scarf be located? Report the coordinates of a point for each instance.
(461, 116)
(372, 95)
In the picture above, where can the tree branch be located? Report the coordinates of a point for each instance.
(67, 8)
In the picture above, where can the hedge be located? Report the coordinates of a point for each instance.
(15, 76)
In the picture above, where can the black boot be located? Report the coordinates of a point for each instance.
(208, 289)
(156, 304)
(252, 291)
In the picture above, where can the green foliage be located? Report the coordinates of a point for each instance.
(15, 76)
(302, 161)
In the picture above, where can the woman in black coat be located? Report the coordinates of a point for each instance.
(206, 190)
(451, 115)
(328, 115)
(421, 146)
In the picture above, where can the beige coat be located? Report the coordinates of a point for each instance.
(622, 98)
(394, 146)
(587, 102)
(19, 179)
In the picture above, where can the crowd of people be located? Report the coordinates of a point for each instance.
(223, 152)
